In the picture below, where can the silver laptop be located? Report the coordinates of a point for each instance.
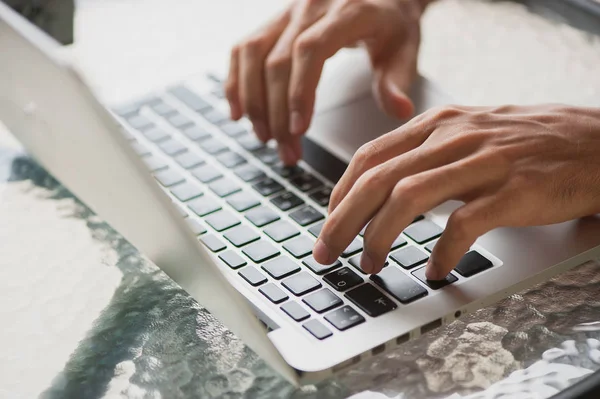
(213, 207)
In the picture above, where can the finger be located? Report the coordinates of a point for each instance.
(253, 53)
(277, 75)
(369, 193)
(393, 78)
(418, 194)
(405, 138)
(232, 85)
(464, 226)
(339, 28)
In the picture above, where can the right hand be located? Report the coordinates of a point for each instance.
(274, 73)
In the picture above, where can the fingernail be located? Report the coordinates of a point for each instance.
(260, 128)
(321, 253)
(432, 271)
(287, 154)
(366, 263)
(296, 123)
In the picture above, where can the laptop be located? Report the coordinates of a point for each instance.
(215, 210)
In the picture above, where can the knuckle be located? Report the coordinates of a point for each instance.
(445, 112)
(366, 154)
(305, 45)
(371, 180)
(276, 63)
(252, 45)
(405, 194)
(231, 88)
(460, 224)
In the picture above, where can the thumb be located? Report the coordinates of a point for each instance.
(393, 78)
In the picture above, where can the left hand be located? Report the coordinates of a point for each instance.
(510, 165)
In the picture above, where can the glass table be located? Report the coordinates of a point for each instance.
(84, 315)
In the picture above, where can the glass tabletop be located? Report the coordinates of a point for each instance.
(85, 315)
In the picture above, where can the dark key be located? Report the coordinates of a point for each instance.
(249, 172)
(196, 227)
(423, 231)
(232, 259)
(203, 206)
(286, 201)
(154, 163)
(281, 267)
(222, 220)
(172, 147)
(398, 242)
(224, 187)
(206, 173)
(241, 235)
(249, 142)
(213, 243)
(139, 122)
(140, 149)
(317, 329)
(216, 117)
(274, 293)
(344, 318)
(409, 257)
(352, 249)
(281, 231)
(180, 121)
(169, 177)
(295, 311)
(429, 248)
(398, 285)
(267, 155)
(186, 191)
(306, 182)
(472, 263)
(318, 268)
(299, 247)
(267, 187)
(243, 201)
(261, 216)
(213, 146)
(163, 109)
(370, 300)
(322, 300)
(196, 133)
(127, 111)
(321, 196)
(434, 284)
(189, 160)
(230, 159)
(306, 216)
(233, 129)
(252, 276)
(190, 98)
(301, 283)
(156, 134)
(316, 229)
(260, 251)
(287, 171)
(343, 279)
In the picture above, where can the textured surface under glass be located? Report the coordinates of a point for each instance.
(85, 316)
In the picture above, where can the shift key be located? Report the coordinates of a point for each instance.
(399, 285)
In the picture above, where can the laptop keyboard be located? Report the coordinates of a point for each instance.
(261, 219)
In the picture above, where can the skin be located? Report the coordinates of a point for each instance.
(509, 165)
(274, 72)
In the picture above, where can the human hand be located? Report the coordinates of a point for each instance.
(510, 165)
(274, 73)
